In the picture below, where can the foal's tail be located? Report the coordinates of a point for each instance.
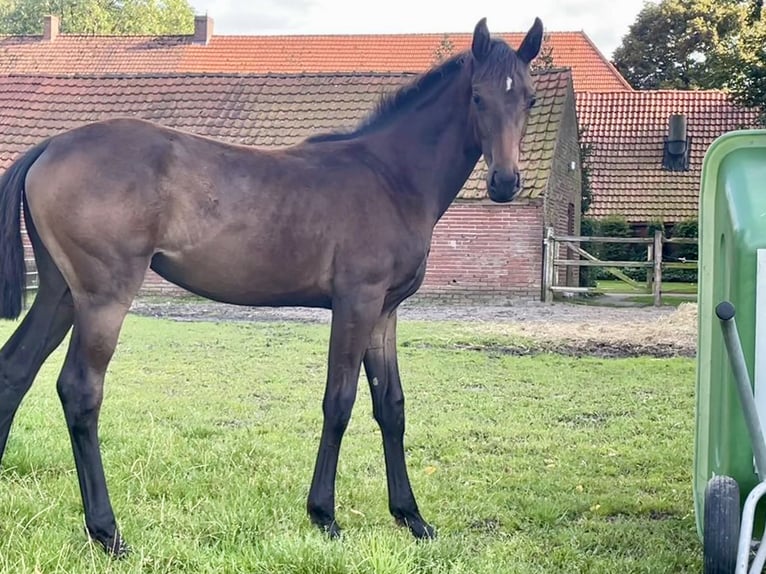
(13, 269)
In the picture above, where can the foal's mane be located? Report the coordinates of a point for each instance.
(392, 104)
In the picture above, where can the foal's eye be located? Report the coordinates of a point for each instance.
(477, 100)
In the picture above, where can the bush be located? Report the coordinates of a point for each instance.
(686, 228)
(611, 226)
(617, 226)
(588, 227)
(639, 251)
(614, 226)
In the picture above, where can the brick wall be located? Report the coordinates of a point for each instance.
(155, 284)
(486, 251)
(562, 205)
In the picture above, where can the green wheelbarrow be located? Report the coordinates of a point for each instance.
(729, 452)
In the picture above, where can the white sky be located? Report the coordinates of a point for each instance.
(604, 21)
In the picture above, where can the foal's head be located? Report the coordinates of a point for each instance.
(503, 94)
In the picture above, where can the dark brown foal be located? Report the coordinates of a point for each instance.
(341, 221)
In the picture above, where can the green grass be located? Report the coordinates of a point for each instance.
(677, 288)
(673, 294)
(666, 300)
(209, 433)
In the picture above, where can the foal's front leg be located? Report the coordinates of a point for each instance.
(352, 323)
(382, 370)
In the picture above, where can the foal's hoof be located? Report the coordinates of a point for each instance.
(332, 530)
(419, 528)
(424, 532)
(113, 545)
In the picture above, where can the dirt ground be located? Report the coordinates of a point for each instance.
(579, 330)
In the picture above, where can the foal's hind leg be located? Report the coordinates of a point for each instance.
(41, 331)
(113, 281)
(80, 387)
(388, 409)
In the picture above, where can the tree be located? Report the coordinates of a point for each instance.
(689, 44)
(678, 43)
(741, 67)
(586, 151)
(444, 50)
(110, 17)
(544, 60)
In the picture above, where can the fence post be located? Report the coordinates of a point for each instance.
(657, 286)
(649, 270)
(548, 272)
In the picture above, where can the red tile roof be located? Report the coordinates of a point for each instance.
(261, 110)
(72, 54)
(627, 132)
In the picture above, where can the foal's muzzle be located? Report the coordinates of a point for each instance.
(502, 185)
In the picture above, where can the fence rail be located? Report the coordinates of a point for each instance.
(654, 263)
(32, 281)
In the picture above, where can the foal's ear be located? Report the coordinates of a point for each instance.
(532, 42)
(480, 45)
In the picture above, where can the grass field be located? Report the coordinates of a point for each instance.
(673, 293)
(668, 287)
(209, 433)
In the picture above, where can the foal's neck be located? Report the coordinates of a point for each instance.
(437, 146)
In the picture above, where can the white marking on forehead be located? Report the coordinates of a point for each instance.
(508, 84)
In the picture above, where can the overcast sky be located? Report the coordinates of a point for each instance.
(605, 21)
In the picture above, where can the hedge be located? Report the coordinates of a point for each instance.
(617, 226)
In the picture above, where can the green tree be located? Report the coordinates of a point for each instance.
(444, 50)
(689, 44)
(680, 43)
(740, 67)
(586, 186)
(544, 60)
(98, 16)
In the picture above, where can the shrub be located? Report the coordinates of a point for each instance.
(686, 228)
(589, 227)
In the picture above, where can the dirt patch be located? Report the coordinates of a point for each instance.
(602, 332)
(485, 525)
(565, 328)
(587, 347)
(654, 515)
(595, 419)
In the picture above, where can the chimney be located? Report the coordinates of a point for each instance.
(676, 152)
(203, 29)
(50, 28)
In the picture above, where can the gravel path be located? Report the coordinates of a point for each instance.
(562, 327)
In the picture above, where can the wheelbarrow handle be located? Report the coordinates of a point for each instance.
(726, 312)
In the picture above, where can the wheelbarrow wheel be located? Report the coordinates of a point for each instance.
(721, 525)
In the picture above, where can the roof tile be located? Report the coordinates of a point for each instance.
(294, 54)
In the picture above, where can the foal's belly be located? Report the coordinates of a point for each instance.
(248, 281)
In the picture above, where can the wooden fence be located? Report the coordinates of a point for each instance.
(654, 263)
